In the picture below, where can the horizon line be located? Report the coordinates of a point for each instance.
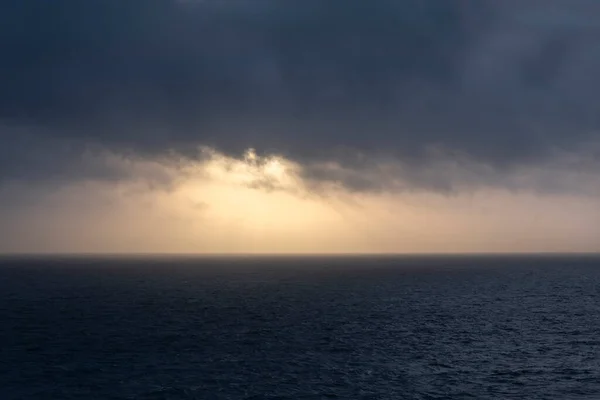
(300, 254)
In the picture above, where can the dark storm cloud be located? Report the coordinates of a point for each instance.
(498, 83)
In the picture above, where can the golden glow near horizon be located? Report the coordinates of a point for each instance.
(261, 205)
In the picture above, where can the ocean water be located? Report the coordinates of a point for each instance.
(300, 328)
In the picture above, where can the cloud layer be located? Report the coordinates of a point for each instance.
(493, 87)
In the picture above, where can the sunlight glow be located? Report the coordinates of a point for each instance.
(262, 204)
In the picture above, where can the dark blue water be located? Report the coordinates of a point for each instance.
(292, 328)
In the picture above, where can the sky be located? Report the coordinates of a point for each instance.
(299, 126)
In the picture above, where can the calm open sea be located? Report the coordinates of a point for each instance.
(300, 328)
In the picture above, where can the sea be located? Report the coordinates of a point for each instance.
(291, 327)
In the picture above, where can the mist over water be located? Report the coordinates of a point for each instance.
(300, 327)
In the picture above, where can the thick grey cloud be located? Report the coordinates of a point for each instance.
(500, 84)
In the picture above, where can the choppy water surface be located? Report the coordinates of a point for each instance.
(293, 328)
